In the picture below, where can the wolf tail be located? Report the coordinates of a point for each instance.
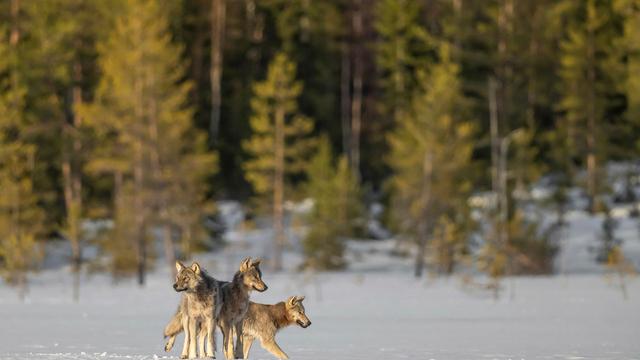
(174, 327)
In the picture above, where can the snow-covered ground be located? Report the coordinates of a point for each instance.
(373, 310)
(359, 314)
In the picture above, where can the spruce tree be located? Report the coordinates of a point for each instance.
(588, 73)
(60, 75)
(401, 49)
(279, 145)
(632, 48)
(336, 210)
(147, 139)
(20, 215)
(430, 157)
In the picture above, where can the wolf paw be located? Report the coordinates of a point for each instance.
(183, 356)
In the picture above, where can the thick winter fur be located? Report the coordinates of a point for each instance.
(235, 303)
(264, 321)
(235, 296)
(200, 305)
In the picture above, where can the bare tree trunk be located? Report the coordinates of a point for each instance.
(72, 181)
(73, 209)
(425, 203)
(623, 284)
(591, 128)
(494, 130)
(186, 237)
(14, 37)
(495, 174)
(140, 246)
(457, 10)
(356, 101)
(504, 205)
(139, 191)
(169, 250)
(160, 205)
(278, 191)
(197, 63)
(420, 254)
(22, 285)
(531, 84)
(345, 97)
(218, 15)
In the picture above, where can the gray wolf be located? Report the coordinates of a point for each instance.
(264, 321)
(200, 304)
(234, 305)
(235, 296)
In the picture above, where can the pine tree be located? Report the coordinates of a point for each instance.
(60, 74)
(336, 210)
(400, 51)
(632, 47)
(279, 144)
(20, 216)
(147, 139)
(588, 72)
(310, 33)
(431, 155)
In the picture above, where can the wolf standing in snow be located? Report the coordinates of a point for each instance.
(234, 305)
(264, 321)
(201, 304)
(236, 300)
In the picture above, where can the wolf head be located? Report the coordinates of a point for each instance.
(251, 274)
(187, 278)
(295, 311)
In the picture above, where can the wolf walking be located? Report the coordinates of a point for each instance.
(200, 305)
(262, 322)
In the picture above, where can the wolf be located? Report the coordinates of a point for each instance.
(235, 303)
(200, 305)
(264, 321)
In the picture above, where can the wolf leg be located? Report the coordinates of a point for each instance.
(229, 344)
(185, 347)
(227, 340)
(193, 333)
(247, 340)
(238, 334)
(211, 341)
(202, 336)
(271, 346)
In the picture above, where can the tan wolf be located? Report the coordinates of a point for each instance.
(200, 304)
(264, 321)
(235, 303)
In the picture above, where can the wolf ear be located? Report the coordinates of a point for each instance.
(245, 264)
(291, 300)
(256, 262)
(179, 266)
(299, 298)
(195, 267)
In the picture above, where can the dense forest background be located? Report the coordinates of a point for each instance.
(147, 112)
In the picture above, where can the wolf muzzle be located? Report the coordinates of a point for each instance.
(260, 290)
(176, 288)
(303, 325)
